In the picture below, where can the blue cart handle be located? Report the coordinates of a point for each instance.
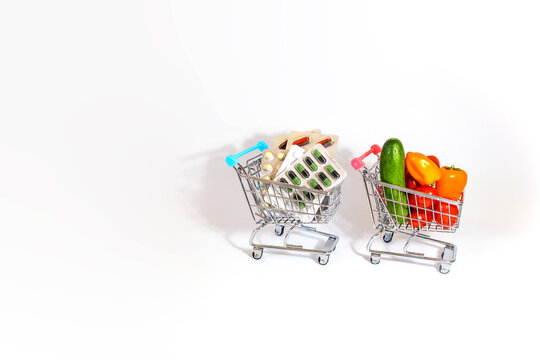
(233, 159)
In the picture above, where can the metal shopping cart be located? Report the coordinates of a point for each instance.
(287, 206)
(435, 214)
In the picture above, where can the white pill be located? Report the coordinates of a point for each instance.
(269, 155)
(281, 156)
(266, 177)
(268, 167)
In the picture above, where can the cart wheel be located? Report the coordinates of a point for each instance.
(257, 253)
(388, 236)
(323, 259)
(375, 259)
(444, 268)
(279, 230)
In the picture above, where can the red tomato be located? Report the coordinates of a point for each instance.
(435, 160)
(409, 181)
(419, 219)
(448, 216)
(420, 201)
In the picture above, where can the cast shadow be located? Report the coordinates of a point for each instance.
(213, 194)
(353, 217)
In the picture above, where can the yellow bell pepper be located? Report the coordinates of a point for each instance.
(422, 169)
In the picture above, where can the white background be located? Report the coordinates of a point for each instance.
(123, 234)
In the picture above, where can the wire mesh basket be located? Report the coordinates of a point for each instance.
(283, 203)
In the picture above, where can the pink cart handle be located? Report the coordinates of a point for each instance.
(357, 163)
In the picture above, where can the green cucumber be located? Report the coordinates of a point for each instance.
(392, 167)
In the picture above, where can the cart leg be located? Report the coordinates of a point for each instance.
(335, 240)
(372, 239)
(375, 258)
(279, 229)
(254, 233)
(449, 254)
(257, 253)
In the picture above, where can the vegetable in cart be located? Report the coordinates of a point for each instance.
(392, 169)
(424, 170)
(452, 182)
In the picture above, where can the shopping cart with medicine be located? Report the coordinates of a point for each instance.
(435, 214)
(286, 206)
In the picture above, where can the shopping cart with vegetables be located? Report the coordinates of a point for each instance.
(397, 209)
(286, 206)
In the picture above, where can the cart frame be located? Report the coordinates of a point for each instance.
(387, 224)
(288, 207)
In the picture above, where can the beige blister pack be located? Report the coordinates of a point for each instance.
(273, 158)
(275, 163)
(308, 139)
(280, 143)
(271, 163)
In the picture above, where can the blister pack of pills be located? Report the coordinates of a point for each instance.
(282, 142)
(271, 163)
(307, 140)
(274, 164)
(295, 153)
(317, 170)
(273, 158)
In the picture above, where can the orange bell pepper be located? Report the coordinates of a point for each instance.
(422, 168)
(452, 182)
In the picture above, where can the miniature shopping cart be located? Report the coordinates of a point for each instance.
(287, 206)
(442, 215)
